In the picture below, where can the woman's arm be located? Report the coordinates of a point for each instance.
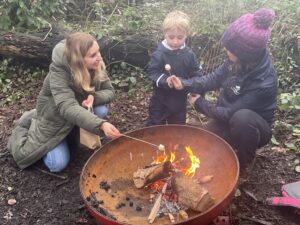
(224, 113)
(104, 92)
(66, 103)
(209, 82)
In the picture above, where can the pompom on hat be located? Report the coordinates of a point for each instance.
(248, 36)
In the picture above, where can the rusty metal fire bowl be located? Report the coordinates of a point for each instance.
(115, 162)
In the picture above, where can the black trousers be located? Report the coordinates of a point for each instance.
(160, 114)
(245, 132)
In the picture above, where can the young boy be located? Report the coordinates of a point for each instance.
(172, 57)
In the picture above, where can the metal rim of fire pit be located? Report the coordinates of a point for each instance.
(213, 211)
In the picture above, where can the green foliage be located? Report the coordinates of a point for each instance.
(16, 80)
(29, 14)
(288, 102)
(128, 78)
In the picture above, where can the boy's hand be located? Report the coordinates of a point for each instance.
(176, 82)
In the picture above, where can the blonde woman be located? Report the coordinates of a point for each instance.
(76, 75)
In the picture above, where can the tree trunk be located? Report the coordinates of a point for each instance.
(37, 49)
(28, 48)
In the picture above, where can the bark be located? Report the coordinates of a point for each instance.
(190, 194)
(37, 49)
(29, 48)
(147, 175)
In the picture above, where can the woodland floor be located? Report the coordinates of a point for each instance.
(45, 199)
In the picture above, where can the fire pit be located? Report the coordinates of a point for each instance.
(107, 186)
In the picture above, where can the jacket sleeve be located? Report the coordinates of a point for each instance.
(104, 92)
(67, 105)
(209, 82)
(224, 113)
(155, 72)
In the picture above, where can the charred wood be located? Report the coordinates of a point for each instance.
(191, 194)
(147, 175)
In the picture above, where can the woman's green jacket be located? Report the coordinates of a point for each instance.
(57, 111)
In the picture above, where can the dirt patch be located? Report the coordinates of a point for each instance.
(45, 199)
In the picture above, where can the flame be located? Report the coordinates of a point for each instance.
(194, 161)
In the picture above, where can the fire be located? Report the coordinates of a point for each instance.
(178, 163)
(194, 160)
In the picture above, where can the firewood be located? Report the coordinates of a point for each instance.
(171, 217)
(183, 214)
(156, 205)
(191, 194)
(147, 175)
(155, 209)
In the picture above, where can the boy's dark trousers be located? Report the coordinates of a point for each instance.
(159, 114)
(245, 132)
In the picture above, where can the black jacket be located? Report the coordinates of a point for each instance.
(255, 90)
(184, 64)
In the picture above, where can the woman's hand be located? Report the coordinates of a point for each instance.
(176, 82)
(88, 102)
(110, 130)
(192, 98)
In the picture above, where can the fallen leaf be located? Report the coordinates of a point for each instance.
(297, 169)
(11, 201)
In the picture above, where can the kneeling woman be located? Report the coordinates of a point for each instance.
(77, 71)
(244, 112)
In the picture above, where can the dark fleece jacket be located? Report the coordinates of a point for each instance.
(184, 64)
(255, 90)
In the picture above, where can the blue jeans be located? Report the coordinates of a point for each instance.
(58, 158)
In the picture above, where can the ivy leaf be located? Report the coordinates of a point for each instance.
(274, 141)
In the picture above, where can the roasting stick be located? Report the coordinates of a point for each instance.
(160, 147)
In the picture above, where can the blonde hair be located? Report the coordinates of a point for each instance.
(176, 19)
(77, 46)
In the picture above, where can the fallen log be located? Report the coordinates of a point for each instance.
(36, 49)
(150, 174)
(191, 194)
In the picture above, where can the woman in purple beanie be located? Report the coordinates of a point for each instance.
(244, 111)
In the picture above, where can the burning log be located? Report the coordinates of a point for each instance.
(191, 194)
(147, 175)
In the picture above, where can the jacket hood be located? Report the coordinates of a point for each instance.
(58, 57)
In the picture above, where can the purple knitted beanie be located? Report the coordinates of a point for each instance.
(248, 36)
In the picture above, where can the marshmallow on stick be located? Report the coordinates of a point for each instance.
(168, 68)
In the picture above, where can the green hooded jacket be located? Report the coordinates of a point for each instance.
(57, 111)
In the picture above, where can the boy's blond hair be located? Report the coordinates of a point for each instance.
(176, 19)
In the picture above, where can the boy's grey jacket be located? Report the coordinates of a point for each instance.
(184, 64)
(255, 90)
(58, 109)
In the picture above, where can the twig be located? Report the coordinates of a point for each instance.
(255, 220)
(48, 32)
(198, 115)
(49, 173)
(63, 182)
(3, 154)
